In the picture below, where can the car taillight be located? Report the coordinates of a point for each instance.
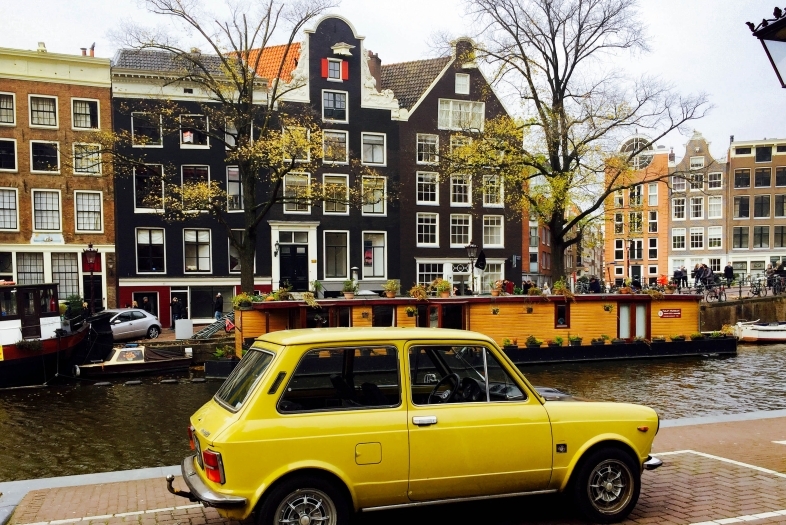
(191, 437)
(214, 467)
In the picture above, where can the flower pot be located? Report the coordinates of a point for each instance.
(597, 343)
(349, 295)
(574, 343)
(444, 294)
(390, 295)
(532, 345)
(495, 293)
(554, 345)
(618, 341)
(511, 347)
(410, 314)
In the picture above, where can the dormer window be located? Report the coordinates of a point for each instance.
(335, 69)
(462, 84)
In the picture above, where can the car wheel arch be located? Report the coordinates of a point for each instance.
(325, 474)
(589, 448)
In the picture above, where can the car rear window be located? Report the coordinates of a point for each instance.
(244, 377)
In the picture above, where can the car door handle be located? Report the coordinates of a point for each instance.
(424, 421)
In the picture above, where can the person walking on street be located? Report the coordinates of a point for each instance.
(177, 311)
(696, 274)
(684, 277)
(146, 305)
(728, 273)
(218, 306)
(678, 278)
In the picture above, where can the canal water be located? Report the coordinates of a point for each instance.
(81, 428)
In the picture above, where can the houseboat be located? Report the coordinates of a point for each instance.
(35, 345)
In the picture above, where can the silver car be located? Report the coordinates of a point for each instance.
(131, 323)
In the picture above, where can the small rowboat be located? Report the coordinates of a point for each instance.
(135, 359)
(758, 332)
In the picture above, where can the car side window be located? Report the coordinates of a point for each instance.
(457, 374)
(137, 315)
(343, 378)
(123, 318)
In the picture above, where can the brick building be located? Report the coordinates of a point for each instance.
(56, 194)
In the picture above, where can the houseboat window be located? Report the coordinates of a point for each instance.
(244, 377)
(343, 378)
(48, 301)
(8, 303)
(343, 316)
(562, 316)
(383, 316)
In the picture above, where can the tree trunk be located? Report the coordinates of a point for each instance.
(247, 262)
(557, 258)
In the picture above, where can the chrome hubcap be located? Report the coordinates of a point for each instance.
(610, 486)
(306, 507)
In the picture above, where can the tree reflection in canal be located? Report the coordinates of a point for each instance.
(80, 429)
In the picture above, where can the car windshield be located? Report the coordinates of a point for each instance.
(241, 381)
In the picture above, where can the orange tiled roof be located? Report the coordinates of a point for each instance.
(270, 61)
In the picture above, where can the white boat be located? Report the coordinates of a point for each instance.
(759, 332)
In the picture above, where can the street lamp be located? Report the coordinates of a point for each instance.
(90, 257)
(772, 34)
(472, 253)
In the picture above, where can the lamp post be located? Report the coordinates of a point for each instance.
(772, 34)
(90, 257)
(472, 253)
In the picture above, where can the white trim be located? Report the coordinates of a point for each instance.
(240, 183)
(160, 131)
(501, 231)
(13, 103)
(210, 250)
(340, 67)
(136, 249)
(431, 86)
(463, 76)
(650, 247)
(98, 113)
(16, 156)
(346, 193)
(709, 206)
(384, 149)
(229, 247)
(16, 203)
(436, 230)
(450, 230)
(181, 181)
(30, 96)
(709, 188)
(185, 145)
(384, 196)
(86, 173)
(684, 208)
(346, 147)
(417, 143)
(685, 239)
(720, 236)
(436, 186)
(308, 189)
(57, 148)
(469, 192)
(59, 205)
(100, 212)
(133, 186)
(452, 101)
(690, 214)
(322, 105)
(324, 257)
(501, 203)
(310, 227)
(363, 248)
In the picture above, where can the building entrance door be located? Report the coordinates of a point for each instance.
(293, 269)
(635, 272)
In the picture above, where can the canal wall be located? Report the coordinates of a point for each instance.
(712, 316)
(202, 350)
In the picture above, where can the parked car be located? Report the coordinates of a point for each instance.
(314, 425)
(131, 323)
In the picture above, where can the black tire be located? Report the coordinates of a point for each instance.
(153, 332)
(611, 476)
(318, 496)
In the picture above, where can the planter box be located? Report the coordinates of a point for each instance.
(574, 343)
(510, 347)
(597, 343)
(533, 346)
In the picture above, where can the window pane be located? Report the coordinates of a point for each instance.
(335, 146)
(43, 111)
(45, 156)
(85, 114)
(336, 194)
(150, 250)
(87, 158)
(427, 228)
(460, 230)
(146, 129)
(373, 195)
(234, 189)
(65, 271)
(88, 211)
(427, 187)
(7, 115)
(336, 247)
(428, 150)
(334, 105)
(374, 255)
(8, 210)
(30, 268)
(7, 155)
(373, 149)
(46, 210)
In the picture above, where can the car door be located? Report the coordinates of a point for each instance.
(121, 325)
(496, 440)
(139, 324)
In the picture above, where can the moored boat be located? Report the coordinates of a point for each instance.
(759, 332)
(134, 359)
(35, 345)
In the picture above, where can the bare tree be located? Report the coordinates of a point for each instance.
(554, 56)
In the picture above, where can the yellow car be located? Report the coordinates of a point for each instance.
(315, 425)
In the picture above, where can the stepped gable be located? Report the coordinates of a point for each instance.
(410, 80)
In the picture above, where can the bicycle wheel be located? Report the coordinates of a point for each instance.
(710, 296)
(722, 296)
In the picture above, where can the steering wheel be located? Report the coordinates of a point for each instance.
(470, 390)
(448, 394)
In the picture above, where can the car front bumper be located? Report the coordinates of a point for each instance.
(199, 492)
(652, 463)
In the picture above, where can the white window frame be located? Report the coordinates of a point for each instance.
(417, 146)
(59, 205)
(87, 173)
(57, 147)
(324, 256)
(718, 199)
(462, 83)
(468, 218)
(715, 232)
(16, 204)
(699, 200)
(363, 247)
(435, 244)
(652, 269)
(618, 271)
(650, 242)
(676, 233)
(651, 221)
(619, 223)
(652, 194)
(698, 230)
(13, 103)
(692, 186)
(100, 213)
(619, 246)
(136, 249)
(160, 131)
(149, 210)
(501, 226)
(30, 98)
(467, 204)
(240, 193)
(384, 196)
(16, 154)
(340, 67)
(451, 102)
(284, 189)
(697, 163)
(619, 199)
(185, 145)
(308, 139)
(98, 113)
(769, 208)
(713, 184)
(501, 202)
(384, 149)
(678, 183)
(181, 180)
(210, 251)
(229, 255)
(346, 193)
(674, 208)
(322, 104)
(346, 147)
(435, 202)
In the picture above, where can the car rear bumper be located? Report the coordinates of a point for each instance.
(200, 492)
(652, 463)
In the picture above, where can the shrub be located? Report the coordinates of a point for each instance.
(241, 299)
(574, 338)
(533, 341)
(507, 342)
(441, 285)
(677, 337)
(559, 340)
(392, 285)
(349, 286)
(534, 291)
(418, 292)
(696, 335)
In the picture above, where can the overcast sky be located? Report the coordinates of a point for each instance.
(697, 45)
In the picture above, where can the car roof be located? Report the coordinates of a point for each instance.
(121, 310)
(351, 335)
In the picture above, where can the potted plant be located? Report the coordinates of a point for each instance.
(29, 345)
(727, 330)
(608, 307)
(410, 311)
(494, 310)
(442, 287)
(556, 342)
(625, 290)
(670, 289)
(510, 344)
(658, 338)
(696, 336)
(533, 342)
(534, 291)
(418, 292)
(496, 288)
(561, 288)
(655, 294)
(242, 301)
(349, 288)
(391, 288)
(317, 287)
(676, 338)
(716, 335)
(618, 341)
(574, 340)
(597, 341)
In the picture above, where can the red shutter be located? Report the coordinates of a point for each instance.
(324, 68)
(344, 70)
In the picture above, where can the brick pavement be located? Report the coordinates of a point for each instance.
(719, 473)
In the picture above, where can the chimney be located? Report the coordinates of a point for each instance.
(731, 139)
(92, 49)
(672, 156)
(375, 66)
(84, 51)
(41, 47)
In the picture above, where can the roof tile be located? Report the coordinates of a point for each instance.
(410, 80)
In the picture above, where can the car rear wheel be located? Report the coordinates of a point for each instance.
(153, 332)
(607, 486)
(305, 500)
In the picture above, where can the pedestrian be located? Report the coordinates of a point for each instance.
(145, 305)
(677, 279)
(177, 310)
(594, 285)
(134, 305)
(546, 289)
(525, 286)
(728, 273)
(218, 306)
(684, 277)
(508, 286)
(696, 274)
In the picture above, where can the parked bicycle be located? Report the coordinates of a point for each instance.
(758, 288)
(715, 292)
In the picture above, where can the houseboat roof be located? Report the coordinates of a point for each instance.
(364, 335)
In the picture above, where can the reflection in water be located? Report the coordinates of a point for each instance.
(79, 429)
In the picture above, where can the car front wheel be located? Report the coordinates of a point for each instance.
(305, 500)
(153, 332)
(607, 486)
